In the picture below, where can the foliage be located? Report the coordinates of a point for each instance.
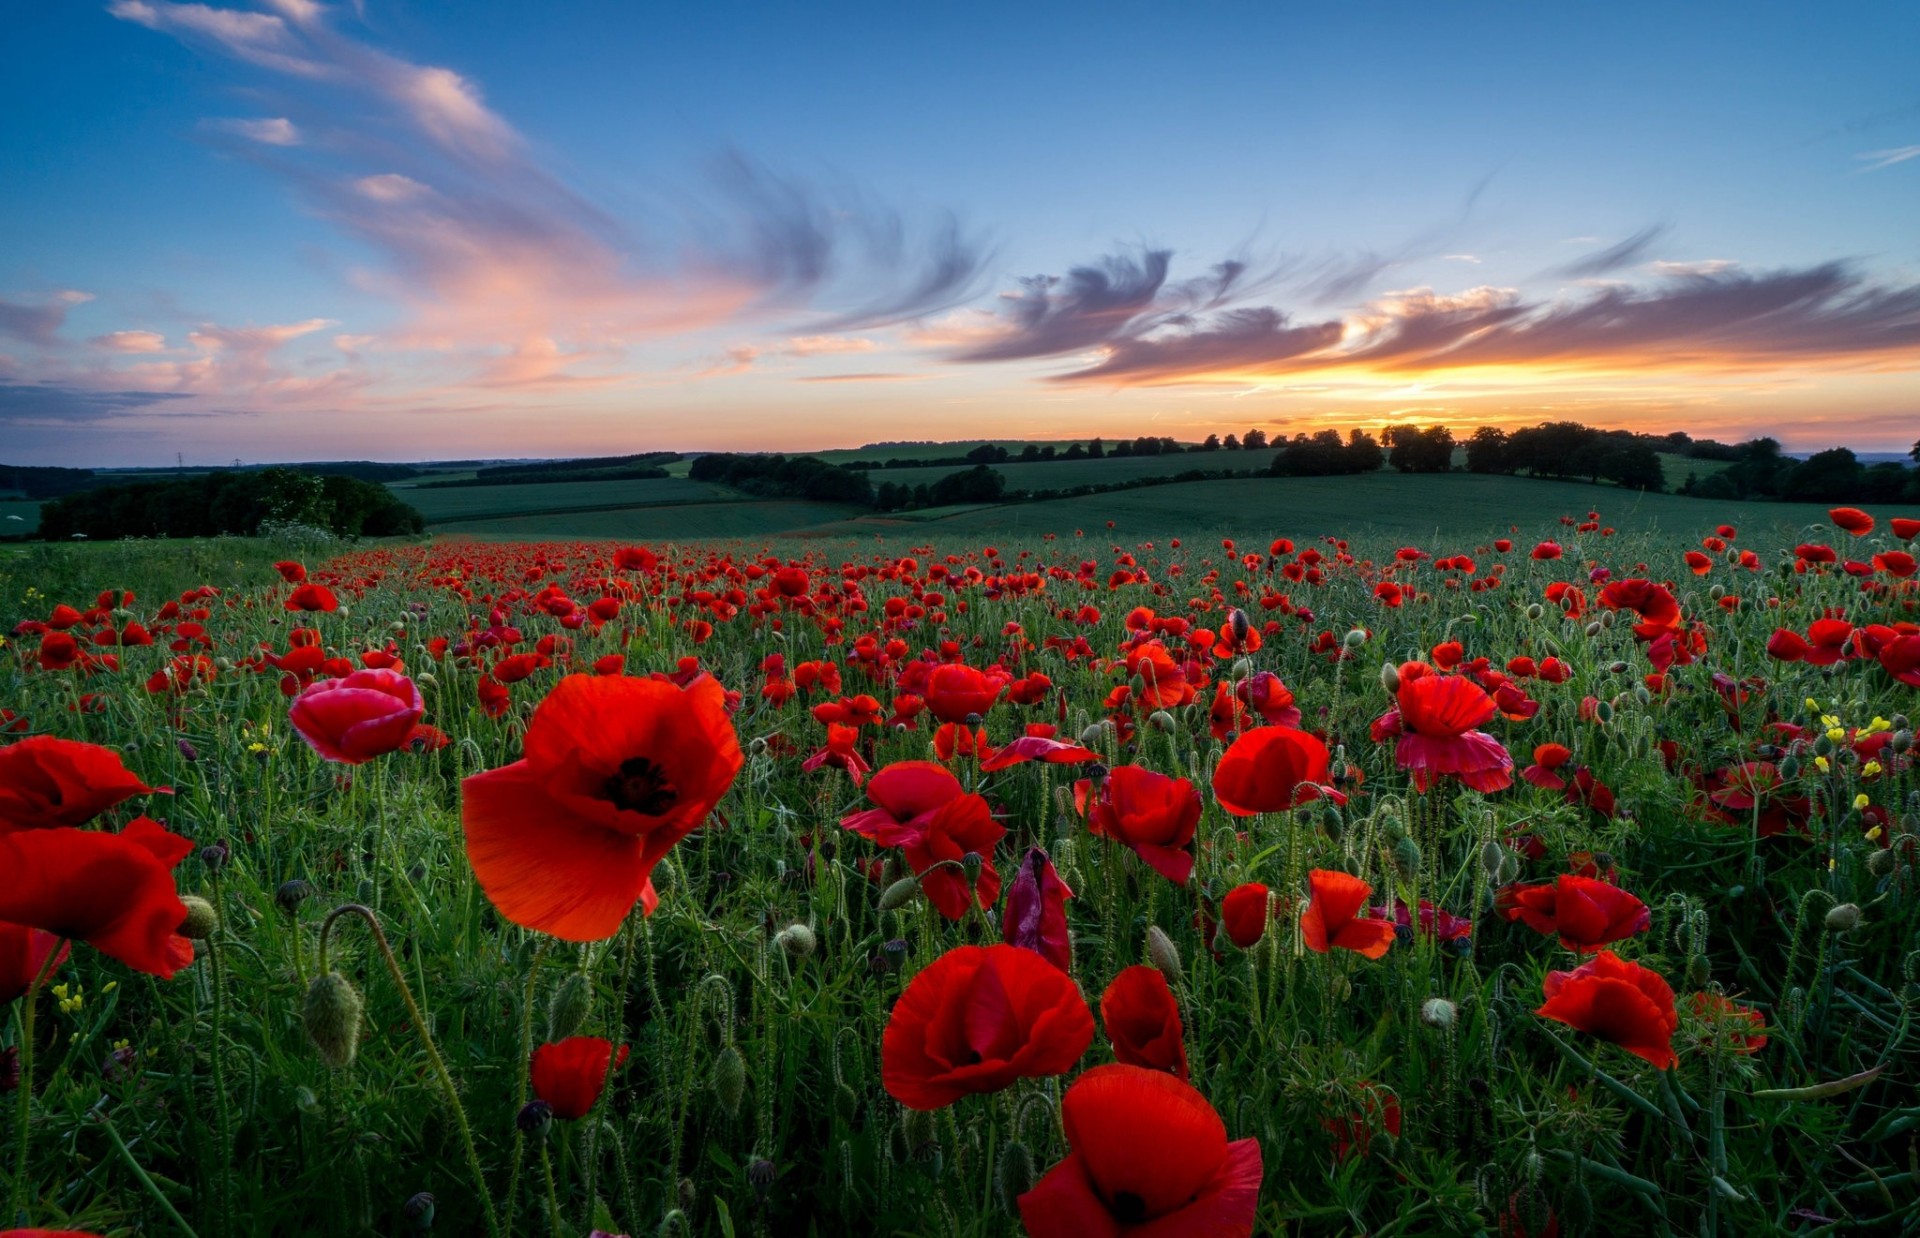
(230, 503)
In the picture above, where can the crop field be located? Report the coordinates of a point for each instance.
(491, 502)
(1447, 856)
(1061, 474)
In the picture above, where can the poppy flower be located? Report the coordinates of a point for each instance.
(1547, 760)
(1147, 1156)
(570, 1074)
(312, 597)
(1740, 1028)
(1332, 919)
(1852, 519)
(978, 1018)
(355, 719)
(1436, 923)
(46, 783)
(1150, 812)
(1905, 528)
(1436, 724)
(1143, 1021)
(1272, 769)
(113, 891)
(23, 955)
(1265, 694)
(617, 770)
(58, 651)
(1614, 1000)
(955, 691)
(921, 808)
(1585, 913)
(1036, 915)
(1245, 911)
(1353, 1133)
(1036, 748)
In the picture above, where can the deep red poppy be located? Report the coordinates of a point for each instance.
(1142, 1021)
(1740, 1028)
(1245, 911)
(1036, 913)
(1585, 913)
(312, 597)
(113, 891)
(1147, 1158)
(47, 782)
(954, 692)
(23, 953)
(1272, 769)
(1852, 519)
(570, 1074)
(1436, 725)
(359, 717)
(617, 770)
(1152, 813)
(921, 808)
(58, 651)
(1614, 1000)
(1332, 919)
(978, 1018)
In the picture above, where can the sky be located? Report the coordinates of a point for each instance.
(394, 229)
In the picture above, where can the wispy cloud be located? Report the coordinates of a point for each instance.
(130, 341)
(39, 321)
(268, 131)
(1877, 159)
(58, 403)
(1616, 257)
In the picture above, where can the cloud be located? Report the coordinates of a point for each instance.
(39, 323)
(270, 131)
(1616, 257)
(1887, 158)
(130, 341)
(57, 402)
(826, 345)
(1091, 305)
(863, 378)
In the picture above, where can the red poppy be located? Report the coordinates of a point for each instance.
(1150, 812)
(921, 808)
(1332, 919)
(1036, 748)
(1436, 725)
(47, 782)
(1614, 1000)
(1147, 1158)
(1585, 913)
(978, 1018)
(1036, 915)
(113, 891)
(312, 597)
(1245, 911)
(570, 1074)
(1740, 1028)
(1905, 528)
(617, 770)
(1272, 769)
(1852, 519)
(1547, 760)
(1266, 695)
(1143, 1021)
(58, 651)
(355, 719)
(290, 571)
(1353, 1133)
(23, 955)
(955, 692)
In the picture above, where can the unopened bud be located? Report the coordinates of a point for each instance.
(1390, 678)
(1699, 971)
(899, 894)
(1439, 1013)
(1606, 619)
(797, 940)
(1160, 720)
(1015, 1176)
(201, 919)
(1093, 734)
(1492, 857)
(1843, 919)
(1880, 862)
(291, 894)
(187, 751)
(1356, 638)
(730, 1079)
(418, 1211)
(1535, 610)
(1593, 629)
(1617, 668)
(568, 1008)
(1406, 859)
(1604, 711)
(332, 1017)
(1790, 767)
(1163, 953)
(1901, 743)
(534, 1118)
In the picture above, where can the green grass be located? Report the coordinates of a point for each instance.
(661, 522)
(468, 503)
(1061, 474)
(27, 509)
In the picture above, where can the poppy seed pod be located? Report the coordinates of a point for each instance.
(1843, 918)
(535, 1118)
(201, 919)
(730, 1080)
(332, 1017)
(291, 894)
(568, 1008)
(1164, 954)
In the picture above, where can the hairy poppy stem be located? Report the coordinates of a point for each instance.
(17, 1197)
(126, 1154)
(526, 1055)
(223, 1111)
(426, 1039)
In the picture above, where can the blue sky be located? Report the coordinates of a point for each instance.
(289, 230)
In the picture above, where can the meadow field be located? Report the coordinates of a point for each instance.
(1385, 855)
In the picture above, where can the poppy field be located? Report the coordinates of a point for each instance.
(1557, 879)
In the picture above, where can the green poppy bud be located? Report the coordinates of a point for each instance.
(332, 1016)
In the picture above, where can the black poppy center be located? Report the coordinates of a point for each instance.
(643, 787)
(1128, 1208)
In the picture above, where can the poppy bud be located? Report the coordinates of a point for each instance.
(1843, 918)
(762, 1174)
(797, 940)
(730, 1079)
(1356, 638)
(1617, 668)
(419, 1211)
(1901, 743)
(1406, 859)
(332, 1016)
(1699, 971)
(291, 894)
(214, 856)
(919, 1130)
(1438, 1013)
(1717, 592)
(201, 919)
(1643, 694)
(1790, 768)
(757, 746)
(899, 894)
(1160, 720)
(1493, 858)
(1015, 1176)
(1880, 862)
(1165, 955)
(534, 1118)
(1593, 629)
(1823, 747)
(1093, 734)
(187, 751)
(1390, 678)
(1604, 712)
(1242, 668)
(1606, 620)
(1535, 610)
(569, 1006)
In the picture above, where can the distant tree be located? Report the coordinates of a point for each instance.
(1048, 452)
(1030, 452)
(1362, 452)
(1232, 442)
(1828, 475)
(1487, 451)
(1096, 450)
(978, 484)
(1636, 466)
(1414, 450)
(988, 453)
(1074, 451)
(1122, 448)
(1212, 443)
(1914, 454)
(1255, 440)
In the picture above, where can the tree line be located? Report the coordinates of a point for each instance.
(230, 503)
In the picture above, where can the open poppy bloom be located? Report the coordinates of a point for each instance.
(570, 1074)
(978, 1018)
(1143, 1021)
(1614, 1000)
(312, 597)
(1036, 914)
(1266, 695)
(1147, 1156)
(1150, 812)
(113, 891)
(921, 808)
(1725, 1021)
(23, 956)
(1272, 769)
(1852, 519)
(46, 783)
(354, 719)
(1245, 911)
(1332, 920)
(1436, 722)
(955, 691)
(1585, 913)
(617, 770)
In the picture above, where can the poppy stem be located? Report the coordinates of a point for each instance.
(126, 1154)
(526, 1055)
(17, 1197)
(426, 1039)
(619, 1030)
